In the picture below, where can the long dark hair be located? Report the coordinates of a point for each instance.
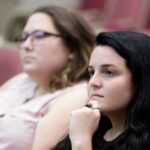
(135, 49)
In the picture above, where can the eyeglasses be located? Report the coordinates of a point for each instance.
(37, 36)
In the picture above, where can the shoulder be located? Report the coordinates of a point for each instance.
(58, 116)
(75, 93)
(18, 78)
(71, 98)
(77, 89)
(54, 124)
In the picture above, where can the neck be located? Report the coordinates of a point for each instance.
(41, 79)
(42, 82)
(40, 91)
(118, 125)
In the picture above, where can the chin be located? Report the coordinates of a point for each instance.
(30, 69)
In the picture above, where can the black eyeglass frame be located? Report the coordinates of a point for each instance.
(37, 34)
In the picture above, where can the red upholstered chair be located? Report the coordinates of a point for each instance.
(91, 10)
(126, 14)
(10, 64)
(146, 28)
(91, 4)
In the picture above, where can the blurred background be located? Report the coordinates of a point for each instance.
(102, 15)
(13, 12)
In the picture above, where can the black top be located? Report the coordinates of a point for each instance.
(98, 143)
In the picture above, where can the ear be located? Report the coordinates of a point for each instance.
(71, 56)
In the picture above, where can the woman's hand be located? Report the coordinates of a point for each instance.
(83, 123)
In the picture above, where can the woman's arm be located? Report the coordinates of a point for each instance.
(54, 126)
(11, 81)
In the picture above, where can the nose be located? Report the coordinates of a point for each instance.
(95, 82)
(27, 44)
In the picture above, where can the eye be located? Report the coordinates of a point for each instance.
(39, 35)
(21, 38)
(91, 72)
(108, 73)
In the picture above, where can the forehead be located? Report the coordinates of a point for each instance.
(106, 55)
(39, 21)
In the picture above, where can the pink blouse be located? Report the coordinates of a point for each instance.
(19, 113)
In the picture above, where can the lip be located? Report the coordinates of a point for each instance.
(96, 96)
(27, 58)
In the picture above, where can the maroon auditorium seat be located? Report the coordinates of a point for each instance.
(126, 14)
(10, 64)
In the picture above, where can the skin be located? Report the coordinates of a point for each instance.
(48, 56)
(109, 89)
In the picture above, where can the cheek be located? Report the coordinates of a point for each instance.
(119, 94)
(53, 61)
(89, 90)
(45, 54)
(22, 54)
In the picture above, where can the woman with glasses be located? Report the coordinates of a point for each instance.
(35, 106)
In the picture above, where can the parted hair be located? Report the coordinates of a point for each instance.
(134, 47)
(78, 36)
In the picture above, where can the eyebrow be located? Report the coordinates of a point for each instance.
(103, 66)
(26, 32)
(89, 67)
(37, 30)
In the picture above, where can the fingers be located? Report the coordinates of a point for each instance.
(91, 106)
(94, 105)
(98, 108)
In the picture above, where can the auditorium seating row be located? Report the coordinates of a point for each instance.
(10, 63)
(131, 15)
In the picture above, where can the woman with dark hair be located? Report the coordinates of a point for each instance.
(35, 106)
(117, 115)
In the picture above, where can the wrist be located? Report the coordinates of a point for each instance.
(82, 143)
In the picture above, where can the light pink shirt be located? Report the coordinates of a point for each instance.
(19, 113)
